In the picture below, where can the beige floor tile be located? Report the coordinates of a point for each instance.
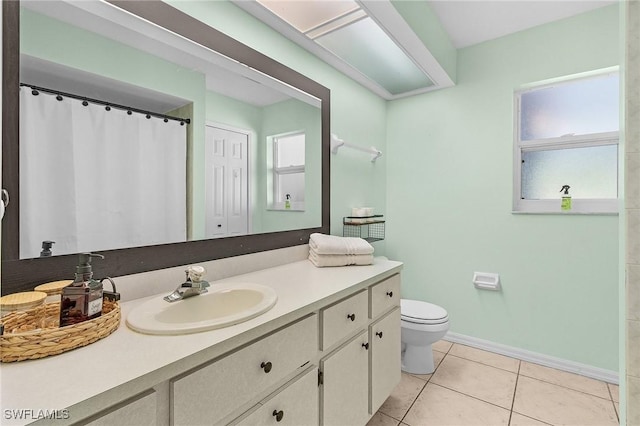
(437, 359)
(380, 419)
(485, 357)
(615, 392)
(402, 396)
(563, 378)
(617, 407)
(423, 377)
(481, 381)
(520, 420)
(440, 406)
(442, 346)
(561, 406)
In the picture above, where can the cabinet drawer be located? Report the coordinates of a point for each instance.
(343, 319)
(215, 391)
(295, 405)
(384, 296)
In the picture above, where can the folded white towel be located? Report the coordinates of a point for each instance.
(322, 260)
(330, 244)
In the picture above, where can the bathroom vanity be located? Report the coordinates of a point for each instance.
(328, 353)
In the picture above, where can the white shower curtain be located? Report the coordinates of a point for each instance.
(92, 179)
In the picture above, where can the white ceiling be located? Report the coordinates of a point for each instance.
(470, 22)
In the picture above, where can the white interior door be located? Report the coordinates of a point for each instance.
(227, 186)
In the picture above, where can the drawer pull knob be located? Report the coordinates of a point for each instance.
(266, 366)
(352, 317)
(365, 346)
(390, 293)
(379, 334)
(278, 415)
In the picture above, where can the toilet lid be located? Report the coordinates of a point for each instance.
(420, 312)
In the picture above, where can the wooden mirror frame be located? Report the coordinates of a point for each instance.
(24, 274)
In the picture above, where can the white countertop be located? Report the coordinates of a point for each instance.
(66, 380)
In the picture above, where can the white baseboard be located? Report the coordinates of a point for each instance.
(536, 358)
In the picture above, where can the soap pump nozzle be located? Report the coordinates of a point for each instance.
(46, 248)
(565, 188)
(84, 264)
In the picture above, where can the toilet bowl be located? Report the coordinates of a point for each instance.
(422, 324)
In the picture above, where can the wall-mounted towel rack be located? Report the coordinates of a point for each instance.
(336, 143)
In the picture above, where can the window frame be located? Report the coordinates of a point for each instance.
(600, 206)
(277, 172)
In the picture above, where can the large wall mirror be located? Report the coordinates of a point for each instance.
(135, 130)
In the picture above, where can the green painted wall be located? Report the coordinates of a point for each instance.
(449, 190)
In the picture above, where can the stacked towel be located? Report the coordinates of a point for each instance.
(329, 250)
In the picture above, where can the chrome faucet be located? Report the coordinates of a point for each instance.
(193, 285)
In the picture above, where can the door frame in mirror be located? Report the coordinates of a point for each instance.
(23, 275)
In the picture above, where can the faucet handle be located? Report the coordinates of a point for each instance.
(195, 273)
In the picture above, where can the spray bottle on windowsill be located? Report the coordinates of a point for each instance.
(287, 202)
(82, 299)
(565, 204)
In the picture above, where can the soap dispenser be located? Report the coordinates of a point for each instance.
(82, 299)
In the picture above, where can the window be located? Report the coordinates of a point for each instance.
(288, 171)
(567, 134)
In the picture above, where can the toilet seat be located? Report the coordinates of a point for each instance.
(419, 312)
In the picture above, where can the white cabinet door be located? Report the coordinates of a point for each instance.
(385, 357)
(295, 405)
(138, 411)
(345, 388)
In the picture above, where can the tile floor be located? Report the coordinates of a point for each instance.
(475, 387)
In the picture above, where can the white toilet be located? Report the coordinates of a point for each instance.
(423, 324)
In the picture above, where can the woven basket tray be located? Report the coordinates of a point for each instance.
(40, 343)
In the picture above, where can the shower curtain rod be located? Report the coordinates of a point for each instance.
(106, 104)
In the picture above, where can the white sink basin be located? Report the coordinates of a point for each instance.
(222, 306)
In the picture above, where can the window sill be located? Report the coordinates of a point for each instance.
(567, 213)
(601, 207)
(296, 206)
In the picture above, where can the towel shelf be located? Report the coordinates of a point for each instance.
(369, 228)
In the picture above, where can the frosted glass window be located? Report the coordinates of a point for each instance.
(591, 172)
(292, 184)
(366, 47)
(579, 107)
(290, 150)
